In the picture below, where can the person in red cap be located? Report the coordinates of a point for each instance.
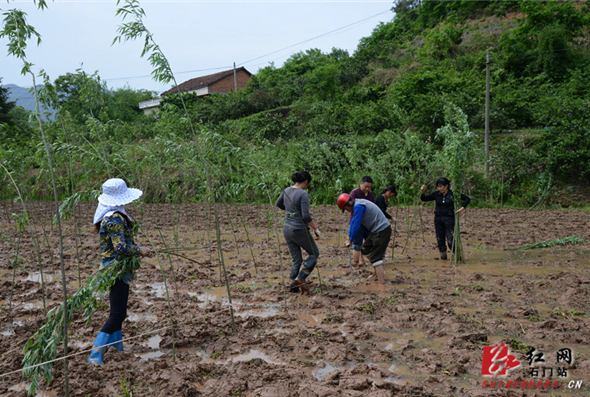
(370, 216)
(361, 192)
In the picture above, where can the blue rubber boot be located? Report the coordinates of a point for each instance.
(118, 338)
(99, 347)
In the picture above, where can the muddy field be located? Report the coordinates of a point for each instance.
(421, 334)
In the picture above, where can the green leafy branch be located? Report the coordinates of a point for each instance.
(162, 71)
(573, 239)
(18, 31)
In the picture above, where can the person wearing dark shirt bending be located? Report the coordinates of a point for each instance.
(444, 213)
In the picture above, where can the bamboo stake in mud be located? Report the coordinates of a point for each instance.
(14, 263)
(249, 242)
(409, 231)
(233, 226)
(18, 32)
(165, 287)
(163, 73)
(61, 247)
(278, 239)
(422, 224)
(34, 237)
(72, 184)
(350, 263)
(395, 227)
(209, 229)
(169, 259)
(6, 212)
(502, 193)
(457, 254)
(49, 251)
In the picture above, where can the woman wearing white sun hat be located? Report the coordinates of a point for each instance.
(115, 231)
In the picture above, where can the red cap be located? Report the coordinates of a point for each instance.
(342, 200)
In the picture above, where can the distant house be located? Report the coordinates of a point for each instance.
(222, 82)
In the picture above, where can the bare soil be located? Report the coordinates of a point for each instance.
(421, 334)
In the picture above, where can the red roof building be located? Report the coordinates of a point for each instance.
(222, 82)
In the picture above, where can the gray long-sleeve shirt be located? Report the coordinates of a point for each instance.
(296, 202)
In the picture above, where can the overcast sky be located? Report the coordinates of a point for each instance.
(197, 37)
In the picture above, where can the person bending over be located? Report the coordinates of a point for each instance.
(367, 214)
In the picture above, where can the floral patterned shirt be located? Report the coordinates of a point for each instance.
(116, 242)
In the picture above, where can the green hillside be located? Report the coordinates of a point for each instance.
(375, 112)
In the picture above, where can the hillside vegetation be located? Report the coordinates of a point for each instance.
(341, 116)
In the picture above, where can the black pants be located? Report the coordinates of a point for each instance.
(375, 246)
(118, 298)
(444, 226)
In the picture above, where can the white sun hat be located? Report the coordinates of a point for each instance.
(115, 192)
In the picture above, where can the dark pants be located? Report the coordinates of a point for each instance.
(360, 238)
(444, 226)
(375, 246)
(118, 298)
(296, 240)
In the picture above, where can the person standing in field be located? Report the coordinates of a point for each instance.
(115, 231)
(382, 198)
(295, 201)
(367, 214)
(362, 192)
(444, 213)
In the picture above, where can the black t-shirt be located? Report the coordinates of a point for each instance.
(445, 205)
(382, 204)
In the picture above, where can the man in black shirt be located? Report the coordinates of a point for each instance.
(444, 213)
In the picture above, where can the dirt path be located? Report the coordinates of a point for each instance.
(421, 334)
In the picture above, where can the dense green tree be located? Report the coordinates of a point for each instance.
(5, 105)
(79, 94)
(83, 95)
(123, 103)
(545, 40)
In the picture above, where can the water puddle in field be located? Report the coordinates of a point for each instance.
(8, 331)
(266, 312)
(244, 357)
(159, 289)
(252, 354)
(153, 342)
(402, 371)
(306, 320)
(320, 373)
(210, 295)
(414, 337)
(34, 305)
(136, 317)
(151, 355)
(82, 344)
(36, 277)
